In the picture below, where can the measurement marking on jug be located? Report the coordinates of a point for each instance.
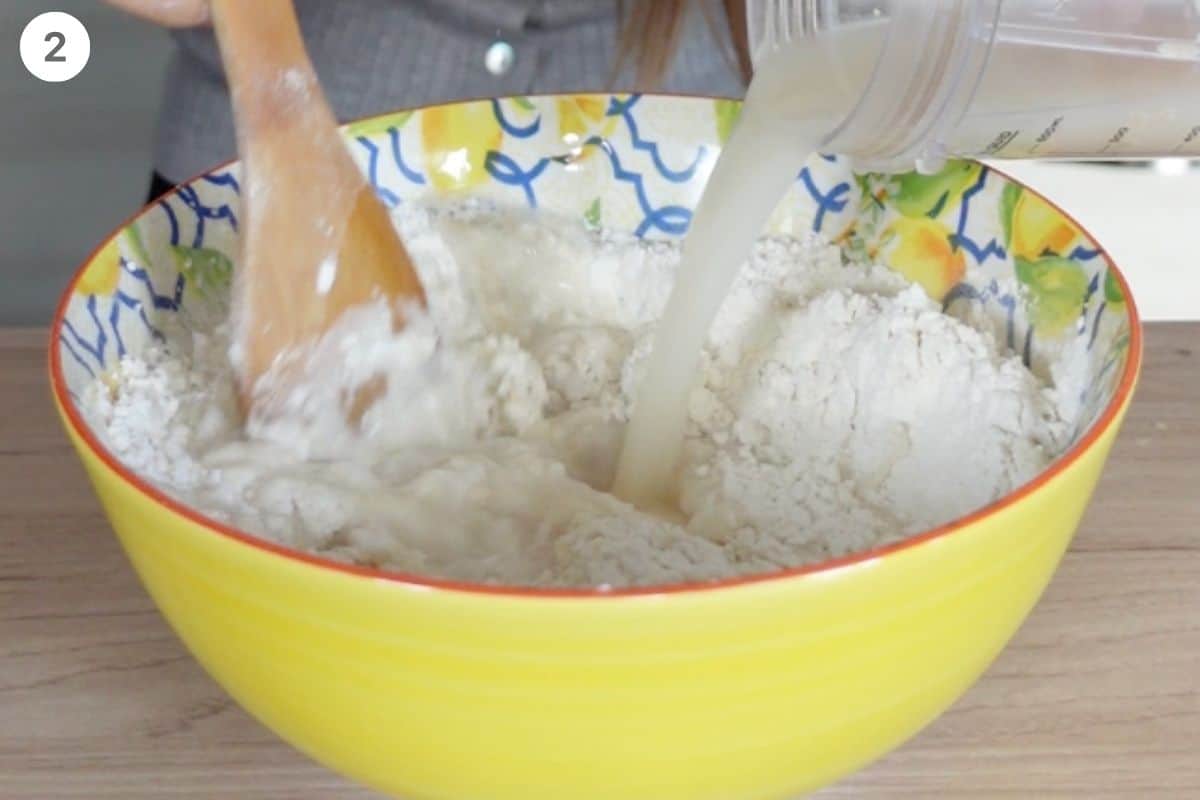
(1116, 138)
(1188, 139)
(1046, 134)
(1002, 140)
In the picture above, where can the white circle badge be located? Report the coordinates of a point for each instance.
(55, 46)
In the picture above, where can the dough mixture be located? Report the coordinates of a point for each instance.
(840, 410)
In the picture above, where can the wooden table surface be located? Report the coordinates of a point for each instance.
(1098, 695)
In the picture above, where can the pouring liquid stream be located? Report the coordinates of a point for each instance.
(790, 106)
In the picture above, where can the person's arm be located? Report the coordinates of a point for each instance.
(168, 13)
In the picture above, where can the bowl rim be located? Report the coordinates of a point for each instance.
(1057, 467)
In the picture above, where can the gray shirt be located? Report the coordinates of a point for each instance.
(374, 56)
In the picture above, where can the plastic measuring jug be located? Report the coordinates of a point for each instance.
(911, 82)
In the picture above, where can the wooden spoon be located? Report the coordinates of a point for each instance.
(315, 240)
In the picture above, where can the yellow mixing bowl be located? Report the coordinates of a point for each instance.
(756, 688)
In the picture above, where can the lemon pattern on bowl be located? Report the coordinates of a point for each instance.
(1041, 240)
(936, 230)
(922, 250)
(457, 139)
(966, 234)
(581, 122)
(1034, 228)
(102, 274)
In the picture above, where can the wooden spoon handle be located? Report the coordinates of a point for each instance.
(315, 240)
(271, 78)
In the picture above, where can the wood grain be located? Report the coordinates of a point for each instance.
(1098, 696)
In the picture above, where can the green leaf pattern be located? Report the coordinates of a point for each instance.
(1008, 207)
(1113, 293)
(921, 195)
(1057, 288)
(592, 214)
(727, 115)
(206, 272)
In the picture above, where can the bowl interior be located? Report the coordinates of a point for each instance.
(980, 243)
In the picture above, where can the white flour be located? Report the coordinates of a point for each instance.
(840, 410)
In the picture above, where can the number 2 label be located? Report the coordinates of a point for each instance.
(55, 47)
(56, 36)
